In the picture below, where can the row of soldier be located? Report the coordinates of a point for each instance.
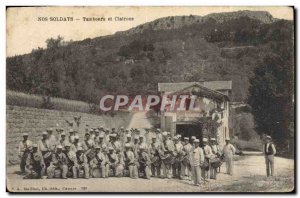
(107, 153)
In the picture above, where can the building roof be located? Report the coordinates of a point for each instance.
(213, 85)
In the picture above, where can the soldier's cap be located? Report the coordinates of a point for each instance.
(204, 139)
(25, 134)
(59, 147)
(97, 131)
(80, 149)
(97, 147)
(197, 140)
(62, 134)
(268, 137)
(101, 127)
(136, 137)
(76, 137)
(101, 136)
(71, 131)
(67, 144)
(110, 148)
(87, 134)
(141, 136)
(158, 130)
(175, 138)
(153, 137)
(165, 133)
(127, 145)
(34, 145)
(49, 129)
(213, 139)
(169, 133)
(122, 127)
(44, 133)
(128, 135)
(193, 137)
(91, 130)
(227, 139)
(142, 147)
(186, 138)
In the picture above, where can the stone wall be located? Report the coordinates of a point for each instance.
(34, 121)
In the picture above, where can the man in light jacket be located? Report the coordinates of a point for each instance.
(196, 160)
(228, 152)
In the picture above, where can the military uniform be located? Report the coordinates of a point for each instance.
(155, 148)
(130, 162)
(177, 163)
(167, 150)
(23, 152)
(59, 161)
(269, 151)
(185, 164)
(100, 161)
(82, 163)
(228, 152)
(35, 166)
(196, 160)
(144, 162)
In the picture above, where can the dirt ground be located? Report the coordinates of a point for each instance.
(249, 176)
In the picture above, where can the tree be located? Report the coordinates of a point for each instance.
(54, 42)
(270, 96)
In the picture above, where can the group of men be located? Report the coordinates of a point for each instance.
(125, 152)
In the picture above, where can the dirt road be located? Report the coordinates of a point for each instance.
(249, 175)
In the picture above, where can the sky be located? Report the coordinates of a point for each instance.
(24, 31)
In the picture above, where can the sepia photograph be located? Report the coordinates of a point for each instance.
(150, 99)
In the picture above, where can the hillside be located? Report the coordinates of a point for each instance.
(221, 46)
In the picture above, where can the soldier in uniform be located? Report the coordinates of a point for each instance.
(63, 141)
(82, 163)
(136, 146)
(167, 150)
(52, 139)
(185, 165)
(208, 154)
(44, 148)
(228, 152)
(35, 166)
(76, 144)
(72, 160)
(101, 143)
(107, 136)
(128, 141)
(88, 146)
(114, 142)
(59, 161)
(71, 136)
(144, 162)
(143, 143)
(159, 137)
(196, 160)
(155, 148)
(112, 160)
(269, 152)
(96, 138)
(178, 153)
(217, 153)
(130, 161)
(23, 151)
(99, 161)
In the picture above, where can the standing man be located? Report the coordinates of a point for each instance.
(208, 154)
(185, 164)
(269, 151)
(130, 162)
(23, 151)
(155, 148)
(52, 139)
(168, 153)
(71, 136)
(196, 160)
(178, 153)
(216, 153)
(228, 152)
(44, 148)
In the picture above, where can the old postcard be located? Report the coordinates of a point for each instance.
(150, 99)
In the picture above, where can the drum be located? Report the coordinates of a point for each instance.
(155, 161)
(185, 160)
(126, 173)
(168, 159)
(57, 173)
(216, 162)
(96, 173)
(81, 173)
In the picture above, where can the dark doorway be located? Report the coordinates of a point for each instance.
(189, 130)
